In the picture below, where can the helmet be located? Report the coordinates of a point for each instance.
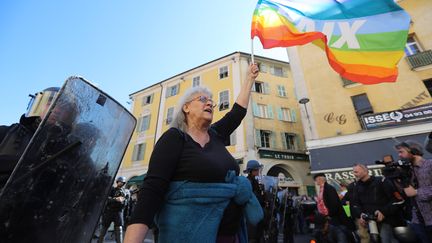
(405, 234)
(252, 165)
(40, 102)
(121, 179)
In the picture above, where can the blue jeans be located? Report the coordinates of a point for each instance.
(386, 233)
(337, 234)
(424, 233)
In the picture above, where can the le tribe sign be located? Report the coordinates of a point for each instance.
(398, 117)
(269, 154)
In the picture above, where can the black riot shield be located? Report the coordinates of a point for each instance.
(60, 184)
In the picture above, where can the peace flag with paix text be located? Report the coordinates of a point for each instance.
(364, 39)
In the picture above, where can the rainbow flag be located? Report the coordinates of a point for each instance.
(363, 39)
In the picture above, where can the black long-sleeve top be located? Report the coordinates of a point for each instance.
(177, 157)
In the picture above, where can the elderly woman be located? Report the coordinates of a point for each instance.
(192, 191)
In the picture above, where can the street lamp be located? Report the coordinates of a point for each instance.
(304, 101)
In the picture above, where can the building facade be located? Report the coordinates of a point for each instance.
(346, 122)
(271, 132)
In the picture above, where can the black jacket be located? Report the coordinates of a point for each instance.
(334, 206)
(377, 193)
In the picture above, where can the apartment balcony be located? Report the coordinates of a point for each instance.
(420, 59)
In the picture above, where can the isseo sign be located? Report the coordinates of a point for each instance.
(398, 117)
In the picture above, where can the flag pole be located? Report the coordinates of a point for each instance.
(252, 52)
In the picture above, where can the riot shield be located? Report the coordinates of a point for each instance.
(60, 184)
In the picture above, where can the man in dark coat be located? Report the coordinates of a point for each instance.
(330, 206)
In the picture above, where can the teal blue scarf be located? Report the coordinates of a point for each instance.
(192, 211)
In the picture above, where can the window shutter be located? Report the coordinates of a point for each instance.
(279, 113)
(138, 125)
(293, 115)
(142, 152)
(297, 142)
(266, 88)
(270, 111)
(167, 92)
(273, 140)
(257, 138)
(135, 152)
(253, 87)
(148, 122)
(284, 143)
(284, 72)
(272, 72)
(151, 98)
(177, 89)
(255, 109)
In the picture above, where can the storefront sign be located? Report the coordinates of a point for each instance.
(347, 175)
(398, 117)
(269, 154)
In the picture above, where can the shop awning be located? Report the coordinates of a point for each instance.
(332, 158)
(136, 180)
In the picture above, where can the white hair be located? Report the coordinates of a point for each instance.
(179, 119)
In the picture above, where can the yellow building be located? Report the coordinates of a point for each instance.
(348, 122)
(270, 133)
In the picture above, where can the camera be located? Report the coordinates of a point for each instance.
(372, 225)
(398, 171)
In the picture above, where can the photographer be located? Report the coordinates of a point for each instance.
(428, 143)
(420, 188)
(374, 200)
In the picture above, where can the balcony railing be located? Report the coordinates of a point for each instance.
(420, 59)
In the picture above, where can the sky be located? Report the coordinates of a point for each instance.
(121, 46)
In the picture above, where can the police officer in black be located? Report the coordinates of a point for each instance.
(255, 233)
(15, 138)
(117, 201)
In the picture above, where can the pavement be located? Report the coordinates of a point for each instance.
(149, 239)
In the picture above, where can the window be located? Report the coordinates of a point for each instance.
(223, 72)
(143, 123)
(361, 104)
(263, 138)
(169, 116)
(261, 87)
(412, 47)
(289, 141)
(196, 81)
(172, 90)
(284, 114)
(428, 84)
(278, 71)
(261, 110)
(223, 100)
(281, 91)
(147, 100)
(138, 152)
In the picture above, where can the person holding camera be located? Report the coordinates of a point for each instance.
(428, 143)
(420, 188)
(375, 205)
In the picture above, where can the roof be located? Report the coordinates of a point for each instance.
(215, 60)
